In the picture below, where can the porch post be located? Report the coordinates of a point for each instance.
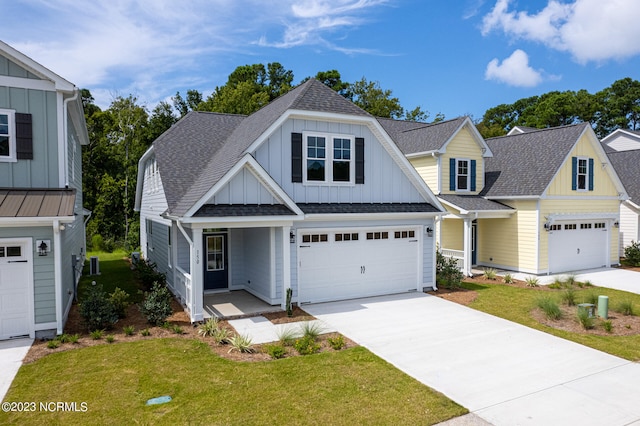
(286, 264)
(197, 276)
(467, 247)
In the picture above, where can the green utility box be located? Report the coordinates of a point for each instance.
(603, 307)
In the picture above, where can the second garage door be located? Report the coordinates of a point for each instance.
(16, 315)
(577, 245)
(341, 264)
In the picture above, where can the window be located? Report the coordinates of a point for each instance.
(404, 234)
(315, 238)
(215, 253)
(582, 173)
(377, 235)
(555, 228)
(585, 226)
(599, 225)
(570, 226)
(347, 237)
(7, 136)
(329, 158)
(462, 175)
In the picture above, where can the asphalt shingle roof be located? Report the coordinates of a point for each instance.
(413, 137)
(524, 164)
(474, 203)
(627, 166)
(227, 210)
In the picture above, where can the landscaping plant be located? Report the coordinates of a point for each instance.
(120, 301)
(275, 351)
(221, 336)
(508, 278)
(625, 307)
(337, 342)
(241, 343)
(585, 320)
(208, 328)
(96, 334)
(632, 254)
(549, 307)
(156, 306)
(568, 297)
(448, 275)
(311, 329)
(532, 281)
(490, 273)
(306, 345)
(96, 309)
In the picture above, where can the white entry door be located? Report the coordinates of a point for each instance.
(339, 264)
(16, 289)
(577, 245)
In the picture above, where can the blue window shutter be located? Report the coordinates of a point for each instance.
(473, 175)
(574, 173)
(590, 174)
(359, 160)
(296, 157)
(452, 174)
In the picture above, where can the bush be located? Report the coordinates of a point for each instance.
(448, 275)
(145, 332)
(209, 327)
(97, 334)
(337, 342)
(287, 336)
(306, 345)
(550, 308)
(632, 254)
(53, 344)
(221, 336)
(120, 301)
(568, 297)
(148, 274)
(156, 306)
(275, 351)
(531, 281)
(591, 298)
(96, 309)
(241, 343)
(490, 273)
(129, 330)
(585, 320)
(311, 329)
(508, 278)
(607, 325)
(110, 338)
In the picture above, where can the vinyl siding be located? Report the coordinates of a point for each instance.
(384, 180)
(629, 227)
(561, 183)
(152, 205)
(427, 168)
(11, 69)
(463, 145)
(451, 234)
(510, 243)
(243, 188)
(624, 143)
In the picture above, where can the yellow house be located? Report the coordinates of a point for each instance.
(535, 201)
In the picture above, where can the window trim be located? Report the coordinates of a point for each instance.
(468, 175)
(11, 121)
(329, 159)
(585, 174)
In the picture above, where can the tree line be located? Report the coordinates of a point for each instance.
(120, 134)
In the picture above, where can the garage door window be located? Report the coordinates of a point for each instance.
(377, 235)
(404, 234)
(10, 251)
(555, 228)
(315, 238)
(569, 226)
(599, 225)
(346, 237)
(585, 226)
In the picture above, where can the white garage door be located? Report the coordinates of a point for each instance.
(342, 264)
(576, 245)
(16, 313)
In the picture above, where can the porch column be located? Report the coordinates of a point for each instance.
(197, 275)
(286, 264)
(467, 247)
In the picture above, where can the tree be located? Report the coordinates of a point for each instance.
(620, 107)
(332, 79)
(378, 102)
(183, 106)
(161, 120)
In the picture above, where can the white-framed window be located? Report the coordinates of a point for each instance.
(328, 158)
(149, 226)
(582, 174)
(462, 174)
(7, 136)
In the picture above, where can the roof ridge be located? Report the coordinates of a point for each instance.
(566, 126)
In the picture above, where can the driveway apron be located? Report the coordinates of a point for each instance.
(504, 372)
(12, 352)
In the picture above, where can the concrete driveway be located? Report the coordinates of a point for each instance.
(620, 279)
(505, 373)
(12, 352)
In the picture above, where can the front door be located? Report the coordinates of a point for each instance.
(216, 271)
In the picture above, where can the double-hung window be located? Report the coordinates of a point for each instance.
(7, 136)
(582, 171)
(583, 168)
(328, 158)
(462, 175)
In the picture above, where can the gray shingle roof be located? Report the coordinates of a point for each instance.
(227, 210)
(333, 208)
(627, 166)
(217, 141)
(474, 203)
(524, 164)
(413, 137)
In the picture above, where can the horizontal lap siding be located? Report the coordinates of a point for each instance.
(463, 145)
(427, 168)
(159, 254)
(629, 226)
(452, 234)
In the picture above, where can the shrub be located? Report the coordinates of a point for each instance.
(550, 308)
(531, 281)
(508, 278)
(337, 342)
(306, 346)
(591, 298)
(120, 301)
(221, 336)
(585, 320)
(63, 338)
(287, 335)
(129, 330)
(156, 306)
(607, 325)
(490, 273)
(311, 329)
(556, 285)
(632, 254)
(625, 307)
(110, 338)
(96, 309)
(241, 343)
(208, 327)
(148, 274)
(275, 351)
(53, 344)
(448, 275)
(97, 242)
(570, 280)
(74, 338)
(177, 329)
(568, 297)
(146, 332)
(97, 334)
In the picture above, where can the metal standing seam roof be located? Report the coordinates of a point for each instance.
(24, 203)
(413, 137)
(474, 203)
(524, 164)
(627, 166)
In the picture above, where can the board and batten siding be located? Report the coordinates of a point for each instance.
(256, 262)
(629, 227)
(510, 243)
(463, 146)
(42, 170)
(243, 188)
(427, 168)
(384, 181)
(159, 253)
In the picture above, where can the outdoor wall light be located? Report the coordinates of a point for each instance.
(429, 231)
(43, 246)
(547, 225)
(292, 237)
(616, 224)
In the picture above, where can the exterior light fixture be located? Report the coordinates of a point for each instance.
(429, 231)
(43, 246)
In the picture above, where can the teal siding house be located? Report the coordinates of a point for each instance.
(42, 232)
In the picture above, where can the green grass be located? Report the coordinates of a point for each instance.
(515, 304)
(352, 386)
(114, 272)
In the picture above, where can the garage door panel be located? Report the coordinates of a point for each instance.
(577, 245)
(15, 292)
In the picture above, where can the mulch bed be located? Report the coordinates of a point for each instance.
(622, 325)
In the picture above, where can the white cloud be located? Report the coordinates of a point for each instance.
(591, 30)
(514, 71)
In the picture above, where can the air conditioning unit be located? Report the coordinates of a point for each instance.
(94, 266)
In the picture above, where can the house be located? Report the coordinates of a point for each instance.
(536, 201)
(627, 165)
(42, 238)
(622, 140)
(309, 194)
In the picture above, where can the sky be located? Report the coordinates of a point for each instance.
(454, 57)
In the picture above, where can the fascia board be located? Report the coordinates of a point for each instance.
(140, 182)
(369, 216)
(10, 222)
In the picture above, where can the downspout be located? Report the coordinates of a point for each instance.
(65, 109)
(57, 268)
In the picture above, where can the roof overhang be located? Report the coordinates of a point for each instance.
(553, 217)
(370, 216)
(15, 222)
(236, 221)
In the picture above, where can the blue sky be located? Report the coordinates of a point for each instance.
(453, 57)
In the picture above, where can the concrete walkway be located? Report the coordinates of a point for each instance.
(12, 352)
(620, 279)
(503, 372)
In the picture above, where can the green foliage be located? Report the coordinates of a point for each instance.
(73, 338)
(625, 307)
(489, 273)
(275, 351)
(96, 334)
(586, 321)
(177, 329)
(337, 342)
(156, 306)
(148, 274)
(63, 338)
(568, 297)
(241, 343)
(550, 308)
(607, 325)
(287, 335)
(531, 281)
(53, 344)
(120, 301)
(145, 332)
(129, 330)
(208, 327)
(311, 329)
(221, 336)
(508, 278)
(632, 254)
(110, 338)
(96, 309)
(591, 298)
(448, 275)
(306, 345)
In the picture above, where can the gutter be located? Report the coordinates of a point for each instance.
(65, 110)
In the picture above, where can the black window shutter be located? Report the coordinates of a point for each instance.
(296, 157)
(24, 137)
(359, 160)
(452, 174)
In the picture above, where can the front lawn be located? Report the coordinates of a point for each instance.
(516, 304)
(352, 386)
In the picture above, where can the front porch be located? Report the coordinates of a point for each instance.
(235, 304)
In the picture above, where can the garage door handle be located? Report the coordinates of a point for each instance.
(17, 261)
(362, 269)
(304, 246)
(578, 251)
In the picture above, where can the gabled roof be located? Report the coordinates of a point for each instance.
(521, 129)
(473, 203)
(524, 164)
(627, 166)
(628, 132)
